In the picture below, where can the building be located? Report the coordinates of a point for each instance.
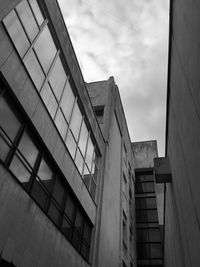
(182, 209)
(66, 162)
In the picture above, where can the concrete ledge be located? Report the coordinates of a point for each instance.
(162, 170)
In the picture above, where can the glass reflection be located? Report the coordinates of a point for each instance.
(20, 171)
(34, 69)
(70, 208)
(76, 121)
(58, 192)
(83, 138)
(28, 149)
(45, 49)
(67, 101)
(45, 174)
(89, 153)
(58, 78)
(79, 161)
(27, 19)
(6, 115)
(36, 11)
(61, 123)
(16, 33)
(4, 148)
(49, 100)
(71, 144)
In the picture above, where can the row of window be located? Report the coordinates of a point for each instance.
(24, 156)
(32, 38)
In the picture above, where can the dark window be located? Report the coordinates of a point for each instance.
(39, 193)
(67, 227)
(54, 212)
(99, 111)
(8, 120)
(45, 174)
(70, 208)
(78, 227)
(146, 203)
(58, 191)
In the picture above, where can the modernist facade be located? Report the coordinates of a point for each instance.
(66, 162)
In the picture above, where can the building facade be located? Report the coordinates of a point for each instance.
(182, 209)
(66, 162)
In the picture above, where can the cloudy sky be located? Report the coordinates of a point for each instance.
(127, 39)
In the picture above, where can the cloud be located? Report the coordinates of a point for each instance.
(126, 39)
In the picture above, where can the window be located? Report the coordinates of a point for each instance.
(99, 111)
(24, 155)
(32, 38)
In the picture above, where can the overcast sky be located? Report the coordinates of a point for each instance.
(127, 39)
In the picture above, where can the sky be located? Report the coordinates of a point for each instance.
(127, 39)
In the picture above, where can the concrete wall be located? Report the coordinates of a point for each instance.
(109, 250)
(27, 237)
(183, 137)
(144, 153)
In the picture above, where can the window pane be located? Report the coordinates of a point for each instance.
(34, 69)
(67, 228)
(89, 154)
(71, 144)
(58, 78)
(8, 121)
(76, 121)
(79, 161)
(67, 101)
(156, 250)
(49, 100)
(37, 12)
(45, 49)
(85, 250)
(77, 230)
(58, 192)
(19, 170)
(87, 176)
(27, 19)
(54, 212)
(45, 174)
(39, 193)
(28, 149)
(61, 124)
(70, 208)
(16, 33)
(83, 138)
(87, 233)
(4, 148)
(93, 188)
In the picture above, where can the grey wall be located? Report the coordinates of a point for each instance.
(182, 216)
(27, 237)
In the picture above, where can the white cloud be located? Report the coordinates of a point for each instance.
(126, 39)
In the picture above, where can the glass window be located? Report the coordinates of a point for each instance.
(58, 192)
(76, 121)
(4, 147)
(49, 100)
(54, 212)
(156, 250)
(79, 161)
(34, 69)
(16, 33)
(28, 149)
(85, 250)
(27, 19)
(78, 227)
(86, 176)
(83, 138)
(146, 203)
(36, 11)
(61, 123)
(6, 115)
(93, 188)
(39, 193)
(45, 49)
(67, 101)
(67, 228)
(45, 174)
(89, 153)
(71, 144)
(57, 78)
(70, 208)
(20, 170)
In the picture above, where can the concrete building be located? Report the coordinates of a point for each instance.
(66, 162)
(182, 209)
